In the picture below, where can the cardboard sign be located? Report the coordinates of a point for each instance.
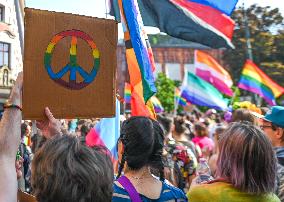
(69, 65)
(24, 197)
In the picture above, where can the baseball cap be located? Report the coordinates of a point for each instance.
(275, 116)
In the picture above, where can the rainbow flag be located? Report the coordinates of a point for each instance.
(207, 68)
(256, 81)
(127, 93)
(179, 100)
(139, 58)
(157, 104)
(202, 93)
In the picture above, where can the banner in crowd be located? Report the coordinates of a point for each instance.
(69, 65)
(194, 21)
(106, 132)
(207, 68)
(200, 92)
(127, 93)
(256, 81)
(139, 58)
(157, 104)
(179, 100)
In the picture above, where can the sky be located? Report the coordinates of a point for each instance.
(97, 8)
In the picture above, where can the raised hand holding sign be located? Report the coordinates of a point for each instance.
(69, 65)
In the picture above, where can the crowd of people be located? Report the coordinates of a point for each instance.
(159, 160)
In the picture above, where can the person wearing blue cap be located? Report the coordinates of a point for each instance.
(273, 126)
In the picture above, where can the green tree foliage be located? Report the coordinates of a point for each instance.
(266, 40)
(165, 92)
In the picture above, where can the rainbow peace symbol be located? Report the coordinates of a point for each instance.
(72, 66)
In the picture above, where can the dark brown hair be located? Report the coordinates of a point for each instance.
(247, 159)
(243, 115)
(166, 123)
(66, 170)
(180, 126)
(200, 129)
(219, 131)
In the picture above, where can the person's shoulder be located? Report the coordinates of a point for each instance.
(218, 190)
(271, 198)
(208, 192)
(170, 192)
(119, 194)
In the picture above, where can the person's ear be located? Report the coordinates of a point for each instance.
(279, 133)
(120, 150)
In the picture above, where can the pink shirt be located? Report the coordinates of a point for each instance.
(204, 142)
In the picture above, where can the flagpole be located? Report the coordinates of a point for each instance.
(234, 95)
(106, 7)
(176, 102)
(249, 47)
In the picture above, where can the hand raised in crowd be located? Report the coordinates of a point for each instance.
(49, 127)
(16, 93)
(19, 164)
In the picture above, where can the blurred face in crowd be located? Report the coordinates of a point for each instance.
(29, 129)
(275, 134)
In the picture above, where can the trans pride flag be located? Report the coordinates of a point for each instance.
(106, 132)
(256, 81)
(207, 68)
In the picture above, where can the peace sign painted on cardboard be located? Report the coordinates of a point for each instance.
(73, 67)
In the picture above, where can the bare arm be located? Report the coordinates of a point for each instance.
(10, 133)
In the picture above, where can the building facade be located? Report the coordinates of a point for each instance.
(11, 44)
(170, 60)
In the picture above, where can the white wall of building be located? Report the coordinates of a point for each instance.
(16, 60)
(158, 69)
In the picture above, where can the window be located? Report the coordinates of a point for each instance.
(4, 54)
(2, 13)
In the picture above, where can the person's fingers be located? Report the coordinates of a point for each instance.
(19, 163)
(21, 160)
(41, 124)
(19, 174)
(49, 114)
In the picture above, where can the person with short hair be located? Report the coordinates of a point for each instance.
(167, 124)
(246, 168)
(273, 127)
(63, 169)
(140, 148)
